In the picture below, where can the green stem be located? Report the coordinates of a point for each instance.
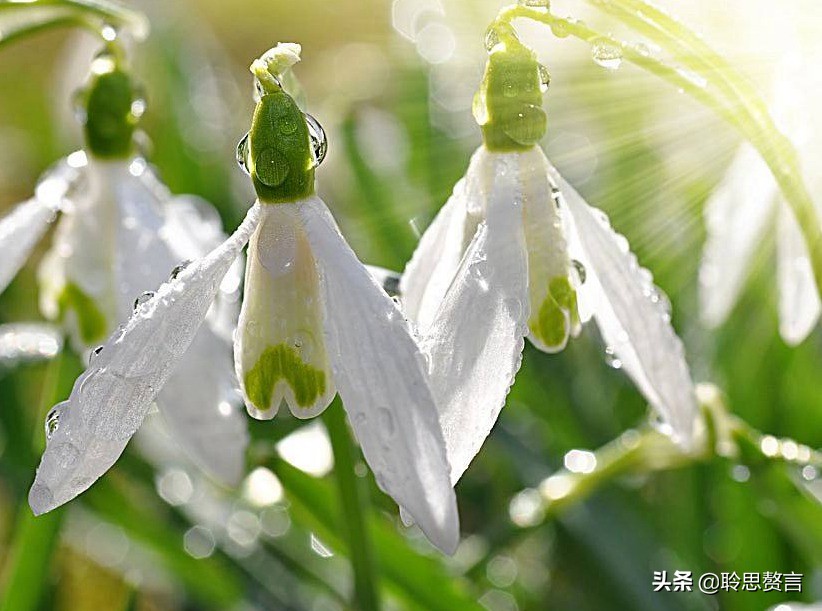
(26, 18)
(35, 539)
(723, 90)
(354, 510)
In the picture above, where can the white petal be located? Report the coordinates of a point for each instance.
(380, 374)
(475, 342)
(199, 405)
(154, 233)
(110, 400)
(279, 348)
(736, 217)
(437, 257)
(19, 233)
(632, 317)
(799, 304)
(554, 316)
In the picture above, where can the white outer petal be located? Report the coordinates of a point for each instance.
(19, 233)
(154, 233)
(110, 400)
(380, 374)
(632, 318)
(475, 342)
(434, 264)
(799, 304)
(736, 218)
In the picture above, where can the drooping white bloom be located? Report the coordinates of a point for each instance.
(748, 202)
(314, 323)
(120, 233)
(497, 265)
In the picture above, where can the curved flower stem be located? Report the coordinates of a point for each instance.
(648, 450)
(709, 79)
(19, 19)
(354, 509)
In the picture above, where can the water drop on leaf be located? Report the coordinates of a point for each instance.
(606, 54)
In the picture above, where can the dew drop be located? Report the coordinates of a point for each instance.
(178, 269)
(492, 38)
(556, 195)
(560, 29)
(544, 78)
(611, 358)
(319, 142)
(546, 4)
(242, 154)
(138, 108)
(143, 298)
(94, 354)
(108, 32)
(606, 54)
(53, 419)
(580, 271)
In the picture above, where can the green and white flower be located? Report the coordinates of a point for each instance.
(314, 323)
(516, 253)
(121, 232)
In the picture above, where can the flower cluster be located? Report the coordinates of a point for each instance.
(515, 253)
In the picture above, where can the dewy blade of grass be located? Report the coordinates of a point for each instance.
(718, 87)
(355, 510)
(422, 582)
(29, 566)
(19, 19)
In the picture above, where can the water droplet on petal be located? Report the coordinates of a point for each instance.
(242, 154)
(535, 3)
(560, 29)
(611, 358)
(319, 142)
(606, 54)
(53, 419)
(108, 32)
(643, 49)
(94, 354)
(143, 298)
(580, 271)
(178, 269)
(544, 78)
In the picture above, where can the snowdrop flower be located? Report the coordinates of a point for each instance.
(313, 323)
(740, 212)
(121, 232)
(499, 263)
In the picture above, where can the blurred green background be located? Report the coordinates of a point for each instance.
(392, 85)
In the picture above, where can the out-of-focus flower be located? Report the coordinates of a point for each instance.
(748, 201)
(121, 232)
(515, 253)
(313, 322)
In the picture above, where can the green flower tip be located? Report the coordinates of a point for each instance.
(279, 153)
(112, 105)
(508, 105)
(272, 65)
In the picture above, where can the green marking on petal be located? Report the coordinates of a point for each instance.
(282, 362)
(90, 320)
(557, 314)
